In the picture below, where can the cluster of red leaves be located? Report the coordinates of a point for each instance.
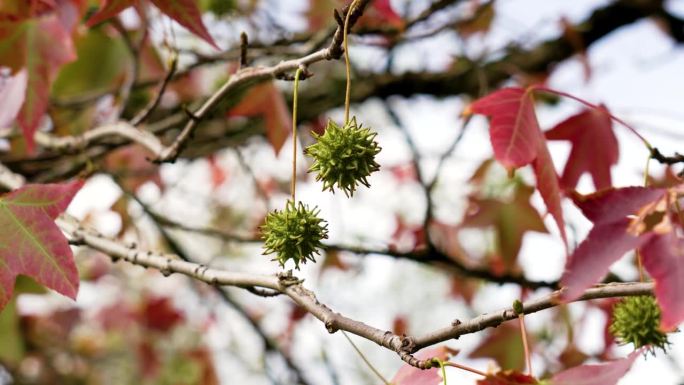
(625, 219)
(37, 38)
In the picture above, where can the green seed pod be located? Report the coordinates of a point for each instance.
(344, 156)
(636, 320)
(294, 233)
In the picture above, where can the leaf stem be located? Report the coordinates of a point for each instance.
(363, 357)
(596, 107)
(526, 346)
(293, 183)
(347, 96)
(466, 368)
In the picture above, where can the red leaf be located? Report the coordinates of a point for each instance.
(604, 245)
(184, 12)
(507, 377)
(159, 314)
(109, 9)
(266, 100)
(12, 91)
(504, 345)
(609, 239)
(584, 131)
(608, 373)
(514, 130)
(409, 375)
(517, 141)
(30, 242)
(218, 174)
(614, 204)
(187, 14)
(663, 258)
(41, 46)
(547, 183)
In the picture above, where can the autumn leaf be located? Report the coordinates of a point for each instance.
(184, 12)
(584, 131)
(40, 46)
(511, 220)
(663, 258)
(109, 9)
(159, 314)
(266, 101)
(607, 373)
(30, 242)
(410, 375)
(609, 239)
(187, 14)
(513, 128)
(507, 377)
(517, 141)
(549, 187)
(504, 345)
(479, 22)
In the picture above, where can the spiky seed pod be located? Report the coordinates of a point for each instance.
(636, 320)
(344, 156)
(293, 233)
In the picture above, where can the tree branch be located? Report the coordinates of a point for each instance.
(289, 285)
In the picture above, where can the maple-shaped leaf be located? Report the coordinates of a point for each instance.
(504, 345)
(517, 141)
(187, 14)
(663, 258)
(184, 12)
(513, 128)
(511, 220)
(410, 375)
(609, 239)
(507, 377)
(40, 46)
(265, 100)
(607, 373)
(584, 131)
(549, 187)
(30, 242)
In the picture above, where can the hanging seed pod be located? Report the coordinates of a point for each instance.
(293, 233)
(344, 156)
(636, 320)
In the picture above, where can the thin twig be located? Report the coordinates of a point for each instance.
(365, 359)
(147, 111)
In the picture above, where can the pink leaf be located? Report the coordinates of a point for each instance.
(517, 141)
(613, 204)
(31, 243)
(109, 9)
(409, 375)
(40, 46)
(608, 373)
(609, 240)
(584, 131)
(187, 14)
(604, 245)
(514, 130)
(12, 91)
(663, 258)
(547, 183)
